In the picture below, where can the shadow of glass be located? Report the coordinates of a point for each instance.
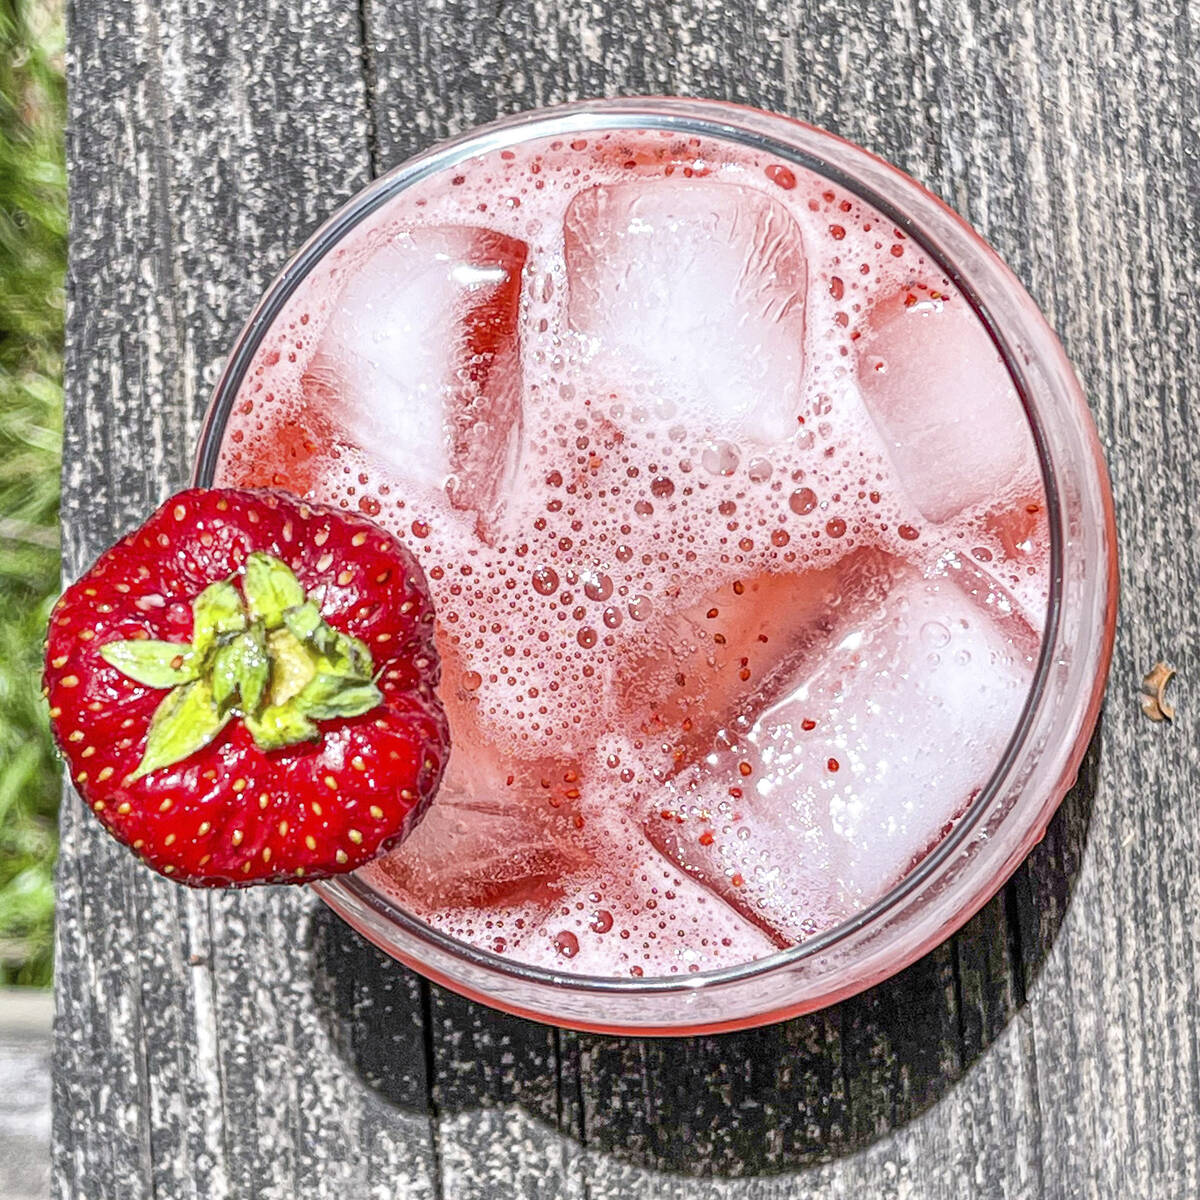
(757, 1102)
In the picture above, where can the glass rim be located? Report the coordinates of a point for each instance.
(702, 118)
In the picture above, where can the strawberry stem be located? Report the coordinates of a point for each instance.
(263, 654)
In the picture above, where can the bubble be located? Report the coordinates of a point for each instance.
(597, 587)
(802, 502)
(662, 488)
(602, 921)
(781, 176)
(721, 458)
(586, 637)
(935, 634)
(471, 680)
(640, 608)
(566, 943)
(612, 617)
(759, 470)
(545, 581)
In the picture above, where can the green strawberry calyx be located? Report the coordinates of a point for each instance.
(263, 654)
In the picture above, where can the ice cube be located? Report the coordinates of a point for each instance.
(639, 915)
(421, 350)
(502, 830)
(709, 667)
(771, 864)
(1017, 551)
(858, 765)
(1020, 527)
(943, 402)
(1006, 612)
(701, 285)
(494, 837)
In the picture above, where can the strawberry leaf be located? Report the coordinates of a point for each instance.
(186, 721)
(241, 669)
(271, 589)
(340, 654)
(217, 610)
(281, 670)
(329, 696)
(254, 668)
(303, 621)
(152, 663)
(280, 725)
(324, 698)
(337, 653)
(291, 665)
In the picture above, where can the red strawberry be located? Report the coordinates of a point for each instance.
(244, 689)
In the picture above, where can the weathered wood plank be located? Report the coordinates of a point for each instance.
(773, 1100)
(194, 1056)
(1118, 1061)
(237, 1045)
(984, 104)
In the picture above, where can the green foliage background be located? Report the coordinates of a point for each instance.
(33, 247)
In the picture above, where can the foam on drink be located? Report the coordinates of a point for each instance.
(732, 520)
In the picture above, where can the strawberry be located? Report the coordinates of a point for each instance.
(243, 689)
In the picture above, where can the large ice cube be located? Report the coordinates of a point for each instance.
(502, 831)
(860, 763)
(702, 285)
(944, 403)
(498, 834)
(1018, 530)
(710, 666)
(639, 915)
(421, 351)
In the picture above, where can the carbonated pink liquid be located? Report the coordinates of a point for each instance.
(733, 522)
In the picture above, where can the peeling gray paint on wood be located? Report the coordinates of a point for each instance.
(251, 1045)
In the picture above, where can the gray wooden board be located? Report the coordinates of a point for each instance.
(250, 1045)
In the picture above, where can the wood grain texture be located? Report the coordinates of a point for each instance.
(251, 1045)
(192, 1057)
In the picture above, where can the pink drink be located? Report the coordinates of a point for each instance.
(733, 521)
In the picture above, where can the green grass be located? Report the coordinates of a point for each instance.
(33, 245)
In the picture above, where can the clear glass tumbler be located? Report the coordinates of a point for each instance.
(1041, 760)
